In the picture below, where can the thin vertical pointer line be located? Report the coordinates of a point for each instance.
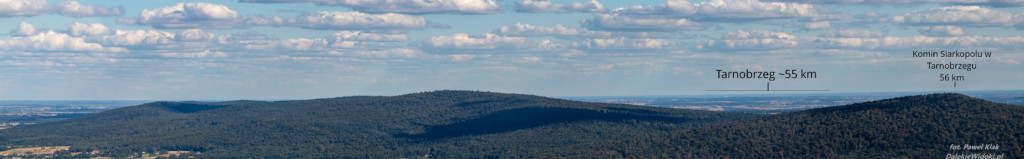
(769, 89)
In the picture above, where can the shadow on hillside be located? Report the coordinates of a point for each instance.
(523, 118)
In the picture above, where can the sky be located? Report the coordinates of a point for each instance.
(301, 49)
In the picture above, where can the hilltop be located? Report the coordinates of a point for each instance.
(923, 126)
(447, 124)
(472, 124)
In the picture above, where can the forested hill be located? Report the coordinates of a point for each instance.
(924, 126)
(438, 124)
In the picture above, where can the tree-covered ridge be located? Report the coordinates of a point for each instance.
(471, 124)
(446, 124)
(923, 126)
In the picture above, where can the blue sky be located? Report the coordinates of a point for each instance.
(298, 49)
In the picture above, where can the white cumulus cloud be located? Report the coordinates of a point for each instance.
(53, 41)
(358, 21)
(726, 10)
(462, 40)
(944, 30)
(563, 32)
(75, 9)
(520, 29)
(892, 42)
(675, 15)
(91, 29)
(628, 23)
(188, 15)
(382, 53)
(215, 16)
(205, 53)
(11, 8)
(24, 29)
(302, 44)
(755, 9)
(752, 39)
(23, 7)
(852, 33)
(487, 41)
(961, 16)
(994, 3)
(194, 35)
(151, 38)
(406, 6)
(368, 36)
(756, 34)
(818, 25)
(540, 6)
(624, 43)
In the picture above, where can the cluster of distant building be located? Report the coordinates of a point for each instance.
(5, 125)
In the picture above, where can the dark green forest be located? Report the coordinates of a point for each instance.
(923, 126)
(472, 124)
(439, 124)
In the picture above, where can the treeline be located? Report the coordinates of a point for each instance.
(469, 124)
(438, 124)
(908, 127)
